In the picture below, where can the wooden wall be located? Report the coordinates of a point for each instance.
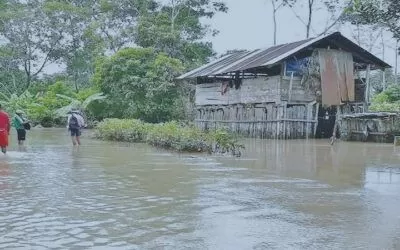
(254, 90)
(262, 120)
(296, 92)
(380, 128)
(264, 107)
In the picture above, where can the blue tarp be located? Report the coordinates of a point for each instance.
(295, 66)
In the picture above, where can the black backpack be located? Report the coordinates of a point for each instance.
(73, 122)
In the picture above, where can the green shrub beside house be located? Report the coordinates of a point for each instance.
(170, 135)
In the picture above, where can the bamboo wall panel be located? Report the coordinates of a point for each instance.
(298, 93)
(255, 90)
(262, 120)
(370, 127)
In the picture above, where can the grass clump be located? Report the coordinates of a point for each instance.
(124, 130)
(170, 135)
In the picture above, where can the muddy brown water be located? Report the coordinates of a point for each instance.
(278, 195)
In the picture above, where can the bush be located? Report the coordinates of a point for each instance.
(385, 107)
(388, 100)
(170, 135)
(122, 130)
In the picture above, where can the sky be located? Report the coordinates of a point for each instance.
(249, 25)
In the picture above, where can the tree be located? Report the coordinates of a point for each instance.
(383, 13)
(276, 5)
(77, 103)
(35, 38)
(336, 9)
(377, 17)
(140, 84)
(10, 75)
(176, 29)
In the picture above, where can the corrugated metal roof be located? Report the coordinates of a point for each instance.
(265, 57)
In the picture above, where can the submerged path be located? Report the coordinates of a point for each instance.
(278, 195)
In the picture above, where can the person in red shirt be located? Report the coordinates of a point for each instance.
(4, 130)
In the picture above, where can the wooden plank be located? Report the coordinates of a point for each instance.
(290, 87)
(396, 140)
(316, 118)
(329, 81)
(258, 121)
(337, 76)
(255, 90)
(350, 81)
(310, 107)
(367, 82)
(285, 113)
(371, 133)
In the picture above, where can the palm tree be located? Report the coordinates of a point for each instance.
(14, 102)
(78, 104)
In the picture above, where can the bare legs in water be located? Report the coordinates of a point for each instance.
(76, 140)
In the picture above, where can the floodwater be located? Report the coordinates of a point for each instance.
(278, 195)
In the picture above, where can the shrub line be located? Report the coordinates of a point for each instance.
(171, 135)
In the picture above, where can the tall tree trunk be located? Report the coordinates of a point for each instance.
(274, 19)
(76, 82)
(27, 67)
(310, 12)
(396, 61)
(383, 58)
(28, 81)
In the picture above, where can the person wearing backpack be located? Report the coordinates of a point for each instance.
(21, 125)
(75, 124)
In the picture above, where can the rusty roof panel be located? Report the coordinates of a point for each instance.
(265, 57)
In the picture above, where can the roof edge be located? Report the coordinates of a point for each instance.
(319, 38)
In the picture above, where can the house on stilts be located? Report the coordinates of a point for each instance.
(290, 91)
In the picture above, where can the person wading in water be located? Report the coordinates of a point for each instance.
(74, 125)
(21, 125)
(4, 130)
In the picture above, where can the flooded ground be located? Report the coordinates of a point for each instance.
(278, 195)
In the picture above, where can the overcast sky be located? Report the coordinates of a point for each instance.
(248, 25)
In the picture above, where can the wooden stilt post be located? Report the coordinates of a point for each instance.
(367, 87)
(281, 120)
(397, 141)
(316, 119)
(290, 88)
(285, 110)
(335, 127)
(309, 118)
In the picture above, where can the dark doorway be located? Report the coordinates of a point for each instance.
(326, 122)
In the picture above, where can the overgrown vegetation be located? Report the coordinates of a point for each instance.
(90, 39)
(169, 135)
(48, 105)
(387, 100)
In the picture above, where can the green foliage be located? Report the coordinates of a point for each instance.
(141, 83)
(388, 100)
(48, 105)
(385, 107)
(80, 34)
(381, 13)
(176, 29)
(122, 130)
(75, 102)
(34, 35)
(170, 135)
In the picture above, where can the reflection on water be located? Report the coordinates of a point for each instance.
(279, 195)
